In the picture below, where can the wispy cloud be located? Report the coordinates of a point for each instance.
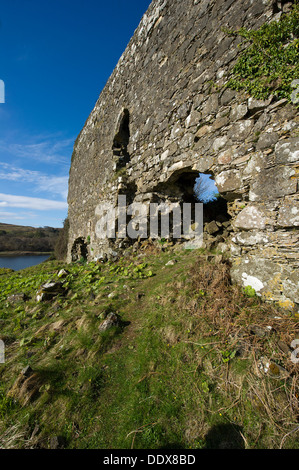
(57, 185)
(54, 184)
(11, 215)
(34, 203)
(34, 178)
(48, 149)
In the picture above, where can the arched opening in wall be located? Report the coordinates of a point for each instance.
(189, 186)
(121, 140)
(215, 206)
(79, 250)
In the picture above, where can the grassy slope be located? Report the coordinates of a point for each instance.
(19, 239)
(12, 227)
(182, 371)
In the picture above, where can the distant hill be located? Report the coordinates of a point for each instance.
(23, 239)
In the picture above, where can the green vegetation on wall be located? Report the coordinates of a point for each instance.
(270, 62)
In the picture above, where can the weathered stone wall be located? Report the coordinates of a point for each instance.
(164, 116)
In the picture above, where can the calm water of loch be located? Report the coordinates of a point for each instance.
(20, 262)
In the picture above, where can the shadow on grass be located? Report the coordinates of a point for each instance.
(225, 436)
(221, 436)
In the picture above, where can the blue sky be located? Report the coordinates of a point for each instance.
(55, 58)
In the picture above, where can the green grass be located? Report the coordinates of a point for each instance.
(170, 377)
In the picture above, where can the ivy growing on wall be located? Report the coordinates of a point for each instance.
(269, 64)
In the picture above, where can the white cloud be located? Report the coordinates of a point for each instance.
(12, 173)
(54, 185)
(46, 183)
(34, 203)
(42, 178)
(11, 215)
(48, 149)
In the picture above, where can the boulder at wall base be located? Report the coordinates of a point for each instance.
(212, 227)
(49, 290)
(271, 281)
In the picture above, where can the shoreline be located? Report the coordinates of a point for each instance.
(7, 254)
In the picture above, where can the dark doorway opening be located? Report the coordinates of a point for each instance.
(79, 250)
(121, 140)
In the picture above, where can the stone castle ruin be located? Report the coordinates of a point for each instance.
(164, 117)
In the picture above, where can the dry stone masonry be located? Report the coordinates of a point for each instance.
(165, 116)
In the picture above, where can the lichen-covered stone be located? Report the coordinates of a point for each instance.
(287, 151)
(251, 217)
